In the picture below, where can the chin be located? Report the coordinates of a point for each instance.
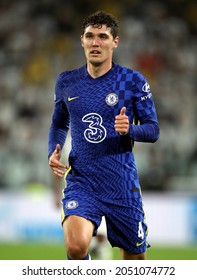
(95, 62)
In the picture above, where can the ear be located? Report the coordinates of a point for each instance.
(116, 40)
(82, 41)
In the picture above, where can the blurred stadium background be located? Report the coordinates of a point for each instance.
(38, 40)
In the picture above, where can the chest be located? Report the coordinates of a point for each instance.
(102, 97)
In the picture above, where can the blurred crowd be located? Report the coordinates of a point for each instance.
(39, 39)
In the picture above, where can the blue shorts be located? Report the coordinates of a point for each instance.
(125, 223)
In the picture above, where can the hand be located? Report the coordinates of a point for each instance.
(55, 164)
(122, 122)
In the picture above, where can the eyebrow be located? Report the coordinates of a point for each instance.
(100, 34)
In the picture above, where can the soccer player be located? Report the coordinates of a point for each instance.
(99, 102)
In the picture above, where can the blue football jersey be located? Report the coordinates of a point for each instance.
(101, 159)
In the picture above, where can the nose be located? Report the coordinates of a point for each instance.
(95, 42)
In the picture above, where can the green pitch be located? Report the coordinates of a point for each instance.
(35, 251)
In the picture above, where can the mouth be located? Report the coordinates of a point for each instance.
(95, 52)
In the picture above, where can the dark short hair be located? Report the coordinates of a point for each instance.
(99, 18)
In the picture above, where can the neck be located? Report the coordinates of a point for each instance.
(97, 70)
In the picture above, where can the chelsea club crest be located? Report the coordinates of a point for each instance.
(111, 99)
(72, 204)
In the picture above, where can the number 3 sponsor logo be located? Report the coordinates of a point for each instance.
(96, 132)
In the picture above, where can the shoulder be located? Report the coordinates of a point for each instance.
(129, 73)
(65, 75)
(134, 78)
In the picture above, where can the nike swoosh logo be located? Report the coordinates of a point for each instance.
(72, 98)
(139, 244)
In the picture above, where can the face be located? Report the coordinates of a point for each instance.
(98, 44)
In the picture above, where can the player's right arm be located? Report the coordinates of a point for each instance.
(58, 130)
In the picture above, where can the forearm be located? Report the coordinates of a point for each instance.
(147, 132)
(56, 136)
(58, 129)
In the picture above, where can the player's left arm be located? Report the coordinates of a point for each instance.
(147, 129)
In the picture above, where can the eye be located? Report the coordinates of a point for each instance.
(88, 35)
(103, 36)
